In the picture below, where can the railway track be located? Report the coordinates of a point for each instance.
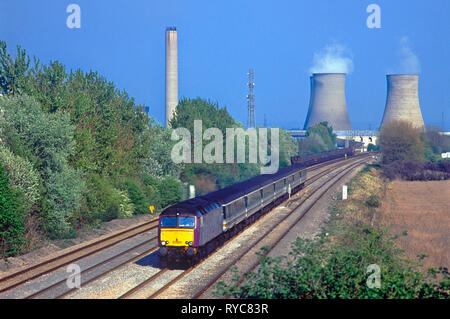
(145, 284)
(45, 267)
(59, 289)
(269, 248)
(157, 275)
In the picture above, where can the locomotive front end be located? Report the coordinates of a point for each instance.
(177, 235)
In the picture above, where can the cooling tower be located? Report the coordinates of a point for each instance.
(402, 101)
(327, 101)
(171, 72)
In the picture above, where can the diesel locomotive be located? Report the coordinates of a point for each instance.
(195, 227)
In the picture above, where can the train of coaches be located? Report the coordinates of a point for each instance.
(193, 228)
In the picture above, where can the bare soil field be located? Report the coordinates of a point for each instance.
(419, 213)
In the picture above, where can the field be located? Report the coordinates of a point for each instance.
(419, 213)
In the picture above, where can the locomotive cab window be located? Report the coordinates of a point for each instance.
(169, 222)
(186, 222)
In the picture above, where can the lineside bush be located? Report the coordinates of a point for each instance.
(12, 227)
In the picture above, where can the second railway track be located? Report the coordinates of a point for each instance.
(47, 266)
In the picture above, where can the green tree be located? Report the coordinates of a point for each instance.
(325, 132)
(47, 141)
(400, 141)
(319, 138)
(23, 175)
(170, 191)
(217, 175)
(11, 220)
(435, 143)
(372, 148)
(211, 114)
(137, 197)
(13, 72)
(111, 132)
(159, 161)
(288, 148)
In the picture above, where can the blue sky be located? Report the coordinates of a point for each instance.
(220, 40)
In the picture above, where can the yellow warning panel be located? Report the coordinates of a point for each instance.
(177, 236)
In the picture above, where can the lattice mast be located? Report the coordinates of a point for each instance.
(251, 99)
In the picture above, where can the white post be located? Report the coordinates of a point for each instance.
(344, 192)
(191, 191)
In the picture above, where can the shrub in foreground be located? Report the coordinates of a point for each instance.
(313, 270)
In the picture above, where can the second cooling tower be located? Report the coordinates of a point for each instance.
(327, 101)
(402, 101)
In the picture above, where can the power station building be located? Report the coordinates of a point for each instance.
(402, 100)
(171, 72)
(327, 101)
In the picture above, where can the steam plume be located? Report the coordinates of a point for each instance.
(333, 58)
(408, 62)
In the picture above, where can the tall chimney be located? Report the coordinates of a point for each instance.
(402, 101)
(327, 101)
(171, 72)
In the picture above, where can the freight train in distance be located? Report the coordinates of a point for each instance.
(191, 229)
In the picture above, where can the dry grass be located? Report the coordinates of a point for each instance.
(417, 212)
(354, 211)
(360, 188)
(421, 210)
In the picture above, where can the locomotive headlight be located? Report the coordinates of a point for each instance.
(191, 243)
(163, 243)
